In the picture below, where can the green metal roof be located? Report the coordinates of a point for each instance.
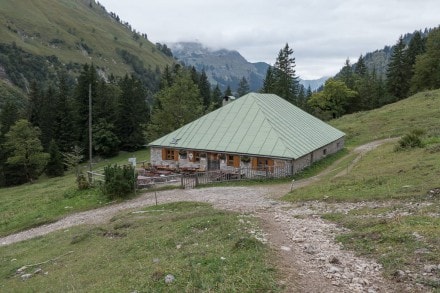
(255, 124)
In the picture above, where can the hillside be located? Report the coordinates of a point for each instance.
(76, 32)
(420, 111)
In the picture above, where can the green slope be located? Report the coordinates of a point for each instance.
(421, 111)
(75, 32)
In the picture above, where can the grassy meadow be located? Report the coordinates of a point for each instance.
(205, 250)
(420, 111)
(49, 199)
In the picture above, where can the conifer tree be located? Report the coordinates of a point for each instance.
(427, 66)
(361, 68)
(8, 117)
(243, 87)
(87, 77)
(269, 81)
(205, 90)
(217, 97)
(64, 119)
(55, 165)
(397, 83)
(286, 85)
(132, 114)
(416, 47)
(47, 117)
(309, 92)
(347, 75)
(34, 105)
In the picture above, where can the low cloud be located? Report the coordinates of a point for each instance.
(321, 33)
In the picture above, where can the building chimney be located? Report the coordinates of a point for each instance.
(227, 99)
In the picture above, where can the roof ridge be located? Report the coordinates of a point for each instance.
(264, 109)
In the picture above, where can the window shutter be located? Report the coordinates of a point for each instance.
(236, 161)
(176, 155)
(164, 154)
(254, 163)
(270, 165)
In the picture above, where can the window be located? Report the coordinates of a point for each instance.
(230, 160)
(324, 152)
(196, 157)
(170, 154)
(262, 164)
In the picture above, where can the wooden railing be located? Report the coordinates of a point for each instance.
(191, 180)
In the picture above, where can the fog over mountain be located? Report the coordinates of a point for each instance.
(227, 67)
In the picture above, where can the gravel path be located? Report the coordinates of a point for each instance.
(308, 257)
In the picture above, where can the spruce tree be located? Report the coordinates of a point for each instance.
(286, 80)
(347, 75)
(217, 97)
(243, 87)
(55, 165)
(47, 117)
(427, 66)
(361, 68)
(88, 77)
(8, 116)
(64, 119)
(205, 90)
(397, 83)
(34, 105)
(269, 81)
(132, 114)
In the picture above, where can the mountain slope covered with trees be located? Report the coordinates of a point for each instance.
(77, 32)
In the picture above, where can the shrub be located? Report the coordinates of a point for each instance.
(410, 140)
(82, 182)
(119, 181)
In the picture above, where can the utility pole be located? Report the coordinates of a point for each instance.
(90, 127)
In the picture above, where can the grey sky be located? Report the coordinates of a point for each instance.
(322, 33)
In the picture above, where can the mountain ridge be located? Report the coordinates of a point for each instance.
(227, 67)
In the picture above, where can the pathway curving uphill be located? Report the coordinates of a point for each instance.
(308, 258)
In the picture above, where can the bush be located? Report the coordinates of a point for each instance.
(119, 181)
(410, 140)
(82, 182)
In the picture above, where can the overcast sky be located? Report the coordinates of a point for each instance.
(322, 33)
